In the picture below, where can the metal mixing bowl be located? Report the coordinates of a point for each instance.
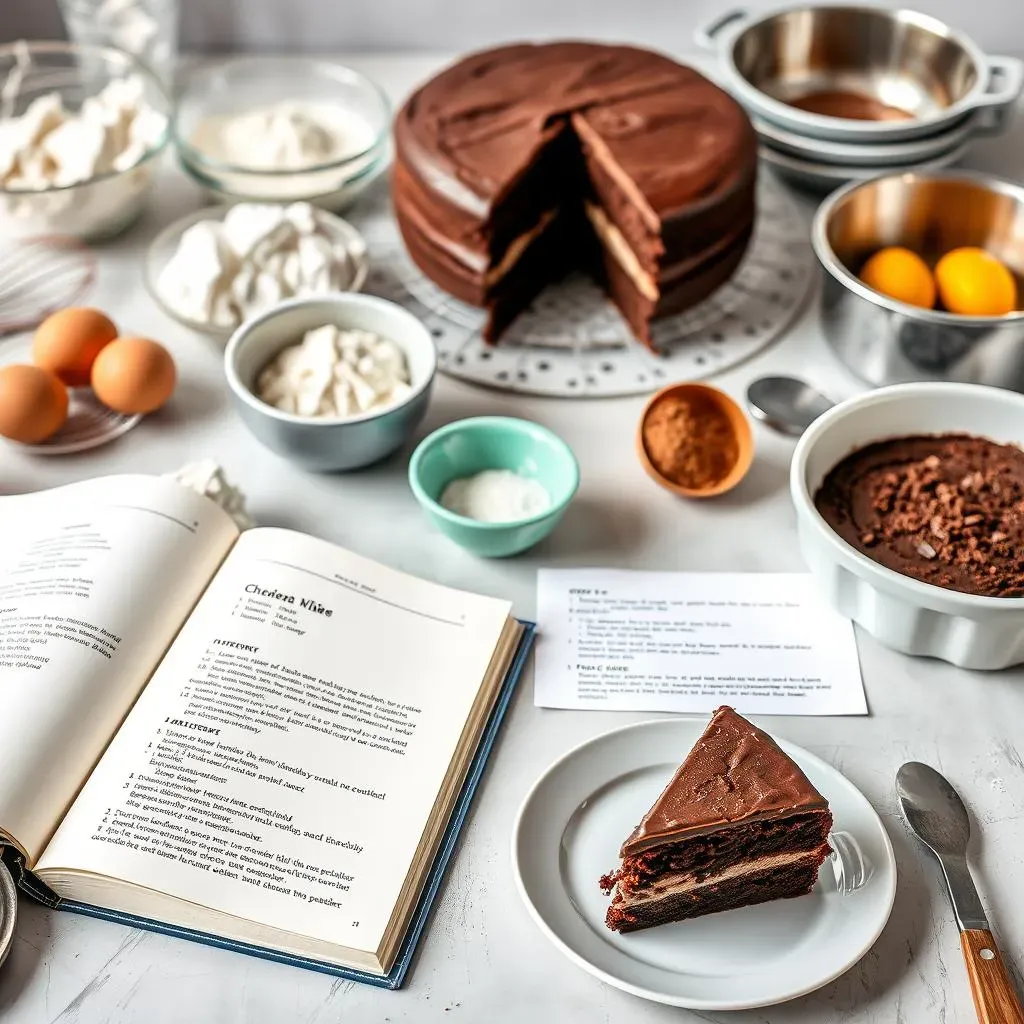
(889, 342)
(820, 177)
(901, 59)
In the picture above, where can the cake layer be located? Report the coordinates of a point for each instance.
(707, 218)
(546, 258)
(687, 882)
(676, 293)
(705, 856)
(449, 265)
(784, 882)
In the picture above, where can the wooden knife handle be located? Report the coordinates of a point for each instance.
(995, 998)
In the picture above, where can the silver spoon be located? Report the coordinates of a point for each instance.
(786, 404)
(937, 816)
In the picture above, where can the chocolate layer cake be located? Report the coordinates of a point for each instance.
(738, 824)
(947, 510)
(520, 163)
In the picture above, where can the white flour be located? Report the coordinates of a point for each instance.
(496, 496)
(289, 136)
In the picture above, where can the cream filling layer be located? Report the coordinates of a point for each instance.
(687, 882)
(615, 242)
(516, 249)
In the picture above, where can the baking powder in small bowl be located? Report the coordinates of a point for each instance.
(496, 496)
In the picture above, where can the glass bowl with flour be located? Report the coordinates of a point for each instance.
(283, 129)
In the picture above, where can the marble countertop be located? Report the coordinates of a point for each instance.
(482, 957)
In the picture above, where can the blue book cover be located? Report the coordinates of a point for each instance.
(431, 887)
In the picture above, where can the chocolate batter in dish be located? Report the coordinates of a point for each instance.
(947, 510)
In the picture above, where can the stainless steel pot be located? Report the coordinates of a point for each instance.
(888, 342)
(879, 157)
(901, 59)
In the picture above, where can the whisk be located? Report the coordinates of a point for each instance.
(39, 276)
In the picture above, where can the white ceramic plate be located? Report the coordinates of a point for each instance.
(568, 834)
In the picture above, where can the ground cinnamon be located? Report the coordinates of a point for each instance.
(690, 440)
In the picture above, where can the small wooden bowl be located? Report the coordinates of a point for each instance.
(740, 425)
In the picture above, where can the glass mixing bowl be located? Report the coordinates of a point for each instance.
(242, 85)
(97, 207)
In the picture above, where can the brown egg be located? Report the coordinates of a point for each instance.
(68, 342)
(133, 375)
(33, 403)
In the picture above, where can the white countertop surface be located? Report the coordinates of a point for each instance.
(482, 958)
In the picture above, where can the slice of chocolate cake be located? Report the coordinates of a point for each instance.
(738, 824)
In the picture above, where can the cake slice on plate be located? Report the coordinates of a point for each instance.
(738, 824)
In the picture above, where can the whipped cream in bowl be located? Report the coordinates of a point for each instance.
(283, 129)
(218, 267)
(332, 383)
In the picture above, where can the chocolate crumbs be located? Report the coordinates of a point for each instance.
(947, 510)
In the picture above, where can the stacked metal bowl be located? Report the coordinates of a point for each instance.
(840, 94)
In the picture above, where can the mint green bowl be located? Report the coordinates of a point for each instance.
(467, 447)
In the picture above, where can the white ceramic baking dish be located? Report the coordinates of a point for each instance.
(900, 612)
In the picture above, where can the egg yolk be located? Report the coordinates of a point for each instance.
(972, 282)
(902, 275)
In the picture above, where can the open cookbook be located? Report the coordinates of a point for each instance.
(256, 739)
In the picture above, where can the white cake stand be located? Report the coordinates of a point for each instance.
(572, 342)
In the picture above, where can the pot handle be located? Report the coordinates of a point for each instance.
(1005, 82)
(706, 35)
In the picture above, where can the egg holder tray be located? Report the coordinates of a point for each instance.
(572, 342)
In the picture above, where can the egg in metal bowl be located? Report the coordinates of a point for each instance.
(885, 341)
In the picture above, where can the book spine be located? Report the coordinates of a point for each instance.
(25, 880)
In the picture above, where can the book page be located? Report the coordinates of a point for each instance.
(95, 580)
(282, 764)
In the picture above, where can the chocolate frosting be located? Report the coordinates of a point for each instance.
(470, 131)
(734, 773)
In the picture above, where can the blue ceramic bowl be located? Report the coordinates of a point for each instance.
(326, 444)
(467, 447)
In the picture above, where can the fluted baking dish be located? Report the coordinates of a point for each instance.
(903, 613)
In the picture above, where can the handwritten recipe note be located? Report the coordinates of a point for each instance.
(615, 640)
